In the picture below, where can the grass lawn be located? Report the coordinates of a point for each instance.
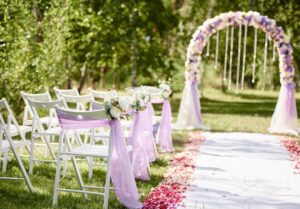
(249, 111)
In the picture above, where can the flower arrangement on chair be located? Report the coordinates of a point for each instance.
(116, 106)
(166, 90)
(139, 99)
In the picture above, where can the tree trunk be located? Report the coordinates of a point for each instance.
(102, 77)
(133, 60)
(83, 77)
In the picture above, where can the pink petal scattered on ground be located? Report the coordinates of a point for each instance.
(169, 192)
(293, 147)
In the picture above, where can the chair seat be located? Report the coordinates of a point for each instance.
(13, 131)
(56, 131)
(89, 150)
(5, 146)
(44, 120)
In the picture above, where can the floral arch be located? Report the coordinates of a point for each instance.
(284, 119)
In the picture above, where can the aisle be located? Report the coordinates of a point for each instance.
(243, 171)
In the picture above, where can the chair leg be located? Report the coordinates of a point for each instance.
(107, 179)
(56, 183)
(57, 175)
(24, 173)
(78, 139)
(46, 139)
(4, 165)
(77, 171)
(31, 156)
(78, 175)
(91, 168)
(107, 185)
(86, 138)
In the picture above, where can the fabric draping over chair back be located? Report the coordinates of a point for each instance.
(121, 172)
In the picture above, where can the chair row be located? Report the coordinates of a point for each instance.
(40, 118)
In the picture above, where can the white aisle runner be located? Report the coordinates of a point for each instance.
(243, 171)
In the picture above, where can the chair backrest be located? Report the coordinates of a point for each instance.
(95, 105)
(28, 114)
(156, 98)
(45, 106)
(80, 101)
(7, 119)
(69, 92)
(152, 89)
(75, 119)
(102, 95)
(155, 94)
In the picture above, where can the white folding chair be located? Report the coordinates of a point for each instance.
(79, 102)
(7, 143)
(102, 95)
(102, 134)
(155, 95)
(44, 132)
(87, 150)
(70, 92)
(28, 114)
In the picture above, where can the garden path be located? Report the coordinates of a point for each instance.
(243, 171)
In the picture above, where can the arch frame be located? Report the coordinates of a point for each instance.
(284, 119)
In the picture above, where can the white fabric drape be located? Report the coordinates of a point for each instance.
(188, 116)
(284, 119)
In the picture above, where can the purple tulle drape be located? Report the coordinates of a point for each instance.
(149, 144)
(290, 101)
(140, 161)
(151, 109)
(121, 172)
(284, 119)
(164, 134)
(194, 90)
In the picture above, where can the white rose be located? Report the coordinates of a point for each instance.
(133, 100)
(115, 112)
(124, 103)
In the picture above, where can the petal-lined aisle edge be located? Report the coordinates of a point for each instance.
(169, 192)
(293, 147)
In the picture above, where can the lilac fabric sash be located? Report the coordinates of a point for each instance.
(290, 101)
(121, 173)
(68, 121)
(149, 144)
(164, 135)
(194, 90)
(139, 155)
